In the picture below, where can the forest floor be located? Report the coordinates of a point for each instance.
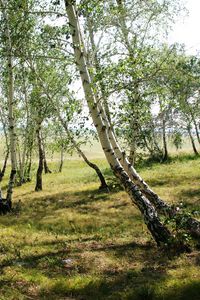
(72, 241)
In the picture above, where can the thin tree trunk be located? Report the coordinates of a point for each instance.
(2, 172)
(196, 130)
(193, 119)
(4, 125)
(28, 168)
(103, 185)
(46, 168)
(155, 142)
(28, 163)
(132, 154)
(87, 161)
(165, 150)
(19, 177)
(61, 159)
(148, 147)
(38, 186)
(192, 140)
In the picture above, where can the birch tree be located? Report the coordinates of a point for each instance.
(132, 182)
(8, 50)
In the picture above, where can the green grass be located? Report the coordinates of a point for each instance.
(72, 242)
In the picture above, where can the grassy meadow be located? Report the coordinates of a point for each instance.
(72, 241)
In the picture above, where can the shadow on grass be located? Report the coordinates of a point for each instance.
(192, 193)
(78, 213)
(51, 203)
(112, 283)
(186, 291)
(129, 285)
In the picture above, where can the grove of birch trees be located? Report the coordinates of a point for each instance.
(73, 71)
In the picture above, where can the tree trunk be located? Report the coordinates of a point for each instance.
(103, 185)
(196, 130)
(89, 163)
(192, 140)
(157, 229)
(2, 172)
(28, 163)
(61, 159)
(193, 119)
(155, 142)
(165, 150)
(132, 154)
(27, 172)
(19, 175)
(38, 186)
(46, 168)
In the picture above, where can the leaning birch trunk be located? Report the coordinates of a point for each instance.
(12, 134)
(190, 224)
(159, 232)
